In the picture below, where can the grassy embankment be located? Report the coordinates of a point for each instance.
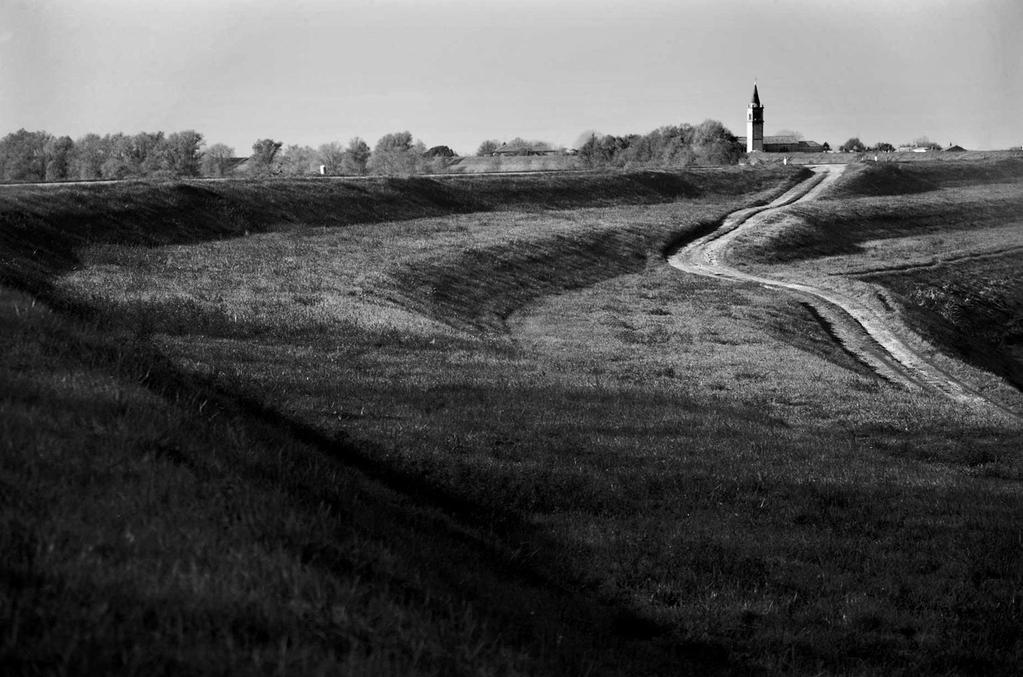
(515, 163)
(155, 523)
(511, 441)
(897, 157)
(940, 243)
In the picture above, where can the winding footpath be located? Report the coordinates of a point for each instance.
(859, 328)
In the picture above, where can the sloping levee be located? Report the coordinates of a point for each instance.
(514, 163)
(890, 178)
(42, 227)
(872, 157)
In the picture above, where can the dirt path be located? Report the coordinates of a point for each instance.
(861, 329)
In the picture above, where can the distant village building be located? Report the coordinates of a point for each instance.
(786, 144)
(518, 149)
(755, 141)
(238, 166)
(914, 148)
(440, 152)
(754, 123)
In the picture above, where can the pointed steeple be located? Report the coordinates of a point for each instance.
(754, 123)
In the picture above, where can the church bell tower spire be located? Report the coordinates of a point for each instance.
(754, 123)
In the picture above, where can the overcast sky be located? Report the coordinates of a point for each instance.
(457, 72)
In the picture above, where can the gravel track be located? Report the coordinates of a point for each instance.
(872, 338)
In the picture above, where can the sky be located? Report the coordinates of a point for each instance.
(457, 72)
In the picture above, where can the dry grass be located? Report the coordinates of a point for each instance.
(939, 243)
(973, 307)
(149, 527)
(473, 165)
(590, 462)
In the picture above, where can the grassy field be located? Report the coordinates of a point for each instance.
(940, 242)
(896, 158)
(470, 427)
(520, 163)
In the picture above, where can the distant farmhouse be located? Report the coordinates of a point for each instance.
(756, 142)
(508, 149)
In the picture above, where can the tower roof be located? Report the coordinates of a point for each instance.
(756, 96)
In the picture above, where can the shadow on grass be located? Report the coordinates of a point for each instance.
(888, 178)
(459, 558)
(447, 558)
(971, 309)
(43, 228)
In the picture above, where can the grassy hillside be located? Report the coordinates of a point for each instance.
(535, 163)
(832, 227)
(943, 239)
(973, 307)
(153, 524)
(901, 179)
(899, 158)
(42, 228)
(480, 430)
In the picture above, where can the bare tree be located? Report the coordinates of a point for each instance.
(587, 137)
(117, 159)
(398, 155)
(853, 145)
(144, 154)
(394, 155)
(217, 159)
(299, 161)
(23, 155)
(89, 155)
(714, 144)
(332, 157)
(488, 147)
(58, 152)
(183, 153)
(264, 153)
(357, 157)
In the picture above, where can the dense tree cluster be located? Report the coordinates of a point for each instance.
(854, 145)
(40, 156)
(217, 160)
(488, 147)
(397, 155)
(708, 143)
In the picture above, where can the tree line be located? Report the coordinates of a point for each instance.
(708, 143)
(40, 156)
(854, 145)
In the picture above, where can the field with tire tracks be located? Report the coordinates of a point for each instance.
(480, 426)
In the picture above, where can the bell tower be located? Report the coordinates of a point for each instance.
(754, 123)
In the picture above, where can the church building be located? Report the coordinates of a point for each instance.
(754, 123)
(756, 142)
